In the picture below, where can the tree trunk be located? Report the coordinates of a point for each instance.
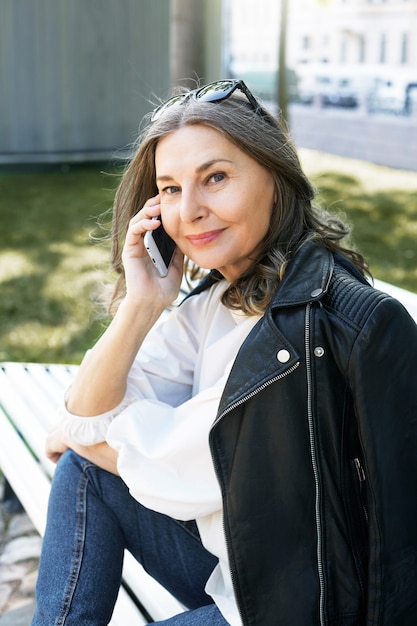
(187, 46)
(282, 62)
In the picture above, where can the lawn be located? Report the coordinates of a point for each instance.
(380, 204)
(52, 261)
(54, 258)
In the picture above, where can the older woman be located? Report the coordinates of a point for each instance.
(256, 450)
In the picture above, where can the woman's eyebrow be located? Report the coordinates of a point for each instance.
(201, 168)
(208, 164)
(164, 177)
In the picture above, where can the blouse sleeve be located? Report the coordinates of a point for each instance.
(164, 456)
(88, 431)
(162, 369)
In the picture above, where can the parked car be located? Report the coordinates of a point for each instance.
(397, 95)
(387, 97)
(330, 85)
(337, 91)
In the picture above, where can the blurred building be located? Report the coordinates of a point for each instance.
(355, 53)
(253, 35)
(323, 31)
(373, 32)
(331, 44)
(251, 43)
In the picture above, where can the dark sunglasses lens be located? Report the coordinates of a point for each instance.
(213, 92)
(166, 105)
(219, 90)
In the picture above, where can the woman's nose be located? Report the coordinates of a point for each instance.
(192, 206)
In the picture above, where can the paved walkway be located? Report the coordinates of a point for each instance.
(20, 547)
(387, 140)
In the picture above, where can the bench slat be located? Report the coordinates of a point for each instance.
(157, 600)
(63, 375)
(26, 423)
(126, 612)
(50, 381)
(24, 474)
(40, 393)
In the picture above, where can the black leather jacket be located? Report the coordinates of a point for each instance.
(315, 449)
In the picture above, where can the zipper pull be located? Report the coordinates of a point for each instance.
(359, 470)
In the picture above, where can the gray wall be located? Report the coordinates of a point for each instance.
(76, 76)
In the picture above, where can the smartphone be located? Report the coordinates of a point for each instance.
(160, 248)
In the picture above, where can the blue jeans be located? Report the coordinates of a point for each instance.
(92, 518)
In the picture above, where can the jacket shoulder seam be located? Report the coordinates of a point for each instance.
(351, 298)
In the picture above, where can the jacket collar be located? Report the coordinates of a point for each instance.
(307, 276)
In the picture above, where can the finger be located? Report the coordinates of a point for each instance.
(54, 457)
(151, 208)
(143, 222)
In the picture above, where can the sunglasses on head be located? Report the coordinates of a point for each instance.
(213, 92)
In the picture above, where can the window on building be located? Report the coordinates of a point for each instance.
(343, 51)
(383, 48)
(362, 48)
(404, 48)
(306, 42)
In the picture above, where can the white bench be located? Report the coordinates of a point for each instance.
(29, 396)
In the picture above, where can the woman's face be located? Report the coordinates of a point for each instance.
(216, 201)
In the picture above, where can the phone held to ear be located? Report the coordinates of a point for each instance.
(160, 248)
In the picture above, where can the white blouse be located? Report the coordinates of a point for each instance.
(160, 429)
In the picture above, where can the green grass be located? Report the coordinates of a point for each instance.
(51, 270)
(381, 205)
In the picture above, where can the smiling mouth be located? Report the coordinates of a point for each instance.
(204, 238)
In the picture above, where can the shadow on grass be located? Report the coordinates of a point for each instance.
(49, 269)
(40, 325)
(384, 225)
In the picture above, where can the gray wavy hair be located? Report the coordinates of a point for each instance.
(294, 219)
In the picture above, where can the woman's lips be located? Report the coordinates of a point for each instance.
(204, 238)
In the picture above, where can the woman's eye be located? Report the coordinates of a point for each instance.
(171, 190)
(217, 177)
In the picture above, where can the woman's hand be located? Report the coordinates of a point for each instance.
(142, 279)
(100, 454)
(56, 445)
(101, 380)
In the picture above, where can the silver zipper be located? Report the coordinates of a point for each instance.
(230, 408)
(255, 391)
(313, 451)
(359, 470)
(362, 478)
